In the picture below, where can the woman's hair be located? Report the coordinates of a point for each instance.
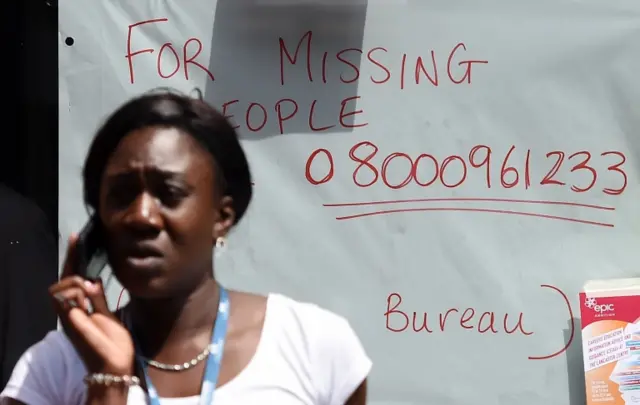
(193, 116)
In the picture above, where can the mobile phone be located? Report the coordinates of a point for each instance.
(91, 256)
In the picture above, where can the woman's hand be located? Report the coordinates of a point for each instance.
(102, 341)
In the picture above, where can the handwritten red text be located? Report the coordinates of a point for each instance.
(168, 61)
(400, 320)
(397, 320)
(507, 170)
(418, 69)
(255, 116)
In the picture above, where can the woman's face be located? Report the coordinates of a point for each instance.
(161, 212)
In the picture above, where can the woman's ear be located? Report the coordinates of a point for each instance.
(225, 218)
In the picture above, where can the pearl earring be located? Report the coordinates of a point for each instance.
(221, 244)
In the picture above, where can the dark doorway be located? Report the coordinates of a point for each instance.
(29, 151)
(28, 166)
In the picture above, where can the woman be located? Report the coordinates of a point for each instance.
(168, 179)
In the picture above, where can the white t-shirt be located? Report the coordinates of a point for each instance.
(306, 356)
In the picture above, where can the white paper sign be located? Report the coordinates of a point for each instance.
(444, 174)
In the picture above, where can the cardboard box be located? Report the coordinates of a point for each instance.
(610, 311)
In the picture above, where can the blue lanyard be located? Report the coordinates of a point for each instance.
(216, 348)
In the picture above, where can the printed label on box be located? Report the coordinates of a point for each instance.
(611, 348)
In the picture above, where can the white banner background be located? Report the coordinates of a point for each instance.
(560, 79)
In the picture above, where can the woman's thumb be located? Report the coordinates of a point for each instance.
(95, 294)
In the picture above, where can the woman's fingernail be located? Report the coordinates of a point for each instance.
(59, 297)
(90, 285)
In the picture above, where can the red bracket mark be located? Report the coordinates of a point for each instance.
(573, 326)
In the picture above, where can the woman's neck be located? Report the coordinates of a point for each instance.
(158, 322)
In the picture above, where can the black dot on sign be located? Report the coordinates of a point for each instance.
(69, 41)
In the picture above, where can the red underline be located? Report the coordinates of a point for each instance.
(492, 211)
(416, 200)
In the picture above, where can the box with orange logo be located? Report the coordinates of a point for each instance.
(610, 311)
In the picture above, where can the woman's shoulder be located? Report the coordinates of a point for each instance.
(55, 351)
(307, 314)
(53, 346)
(281, 310)
(47, 372)
(323, 343)
(321, 333)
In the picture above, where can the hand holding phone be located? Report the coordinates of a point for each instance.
(103, 342)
